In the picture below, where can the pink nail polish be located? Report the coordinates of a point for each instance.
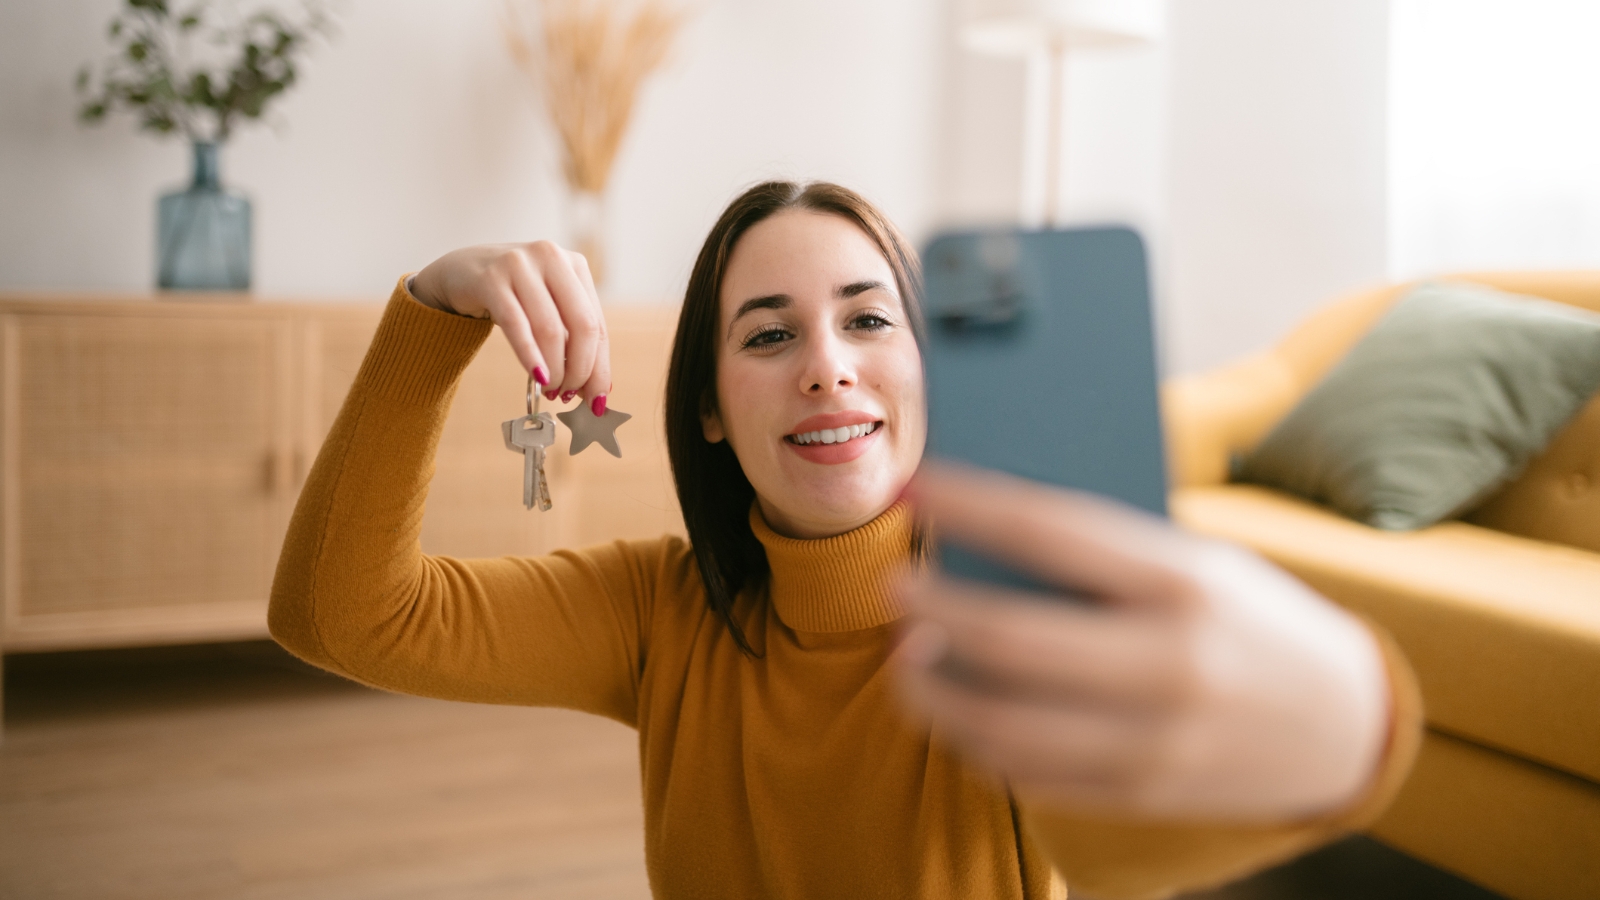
(540, 375)
(550, 395)
(567, 397)
(598, 405)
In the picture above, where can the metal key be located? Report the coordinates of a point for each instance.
(530, 435)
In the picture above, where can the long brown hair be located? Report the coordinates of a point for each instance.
(713, 491)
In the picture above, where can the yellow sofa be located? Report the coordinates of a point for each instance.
(1499, 613)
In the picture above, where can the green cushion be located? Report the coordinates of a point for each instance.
(1445, 400)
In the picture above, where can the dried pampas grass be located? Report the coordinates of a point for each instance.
(590, 58)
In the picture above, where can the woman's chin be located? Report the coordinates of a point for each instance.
(821, 500)
(822, 510)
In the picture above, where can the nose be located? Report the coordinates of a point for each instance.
(827, 369)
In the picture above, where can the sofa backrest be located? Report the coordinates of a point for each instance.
(1557, 498)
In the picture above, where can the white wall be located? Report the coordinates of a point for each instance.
(403, 139)
(1116, 138)
(1249, 146)
(413, 133)
(1276, 177)
(1494, 138)
(1112, 168)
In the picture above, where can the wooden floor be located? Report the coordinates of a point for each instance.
(233, 771)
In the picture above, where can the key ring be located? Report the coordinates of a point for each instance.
(533, 404)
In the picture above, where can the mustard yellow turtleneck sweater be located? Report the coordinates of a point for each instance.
(789, 775)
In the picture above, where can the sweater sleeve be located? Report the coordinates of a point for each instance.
(1129, 860)
(355, 594)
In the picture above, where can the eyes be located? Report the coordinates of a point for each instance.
(774, 335)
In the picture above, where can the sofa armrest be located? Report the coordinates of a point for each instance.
(1210, 417)
(1503, 631)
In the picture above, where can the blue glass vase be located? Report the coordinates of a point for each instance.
(204, 232)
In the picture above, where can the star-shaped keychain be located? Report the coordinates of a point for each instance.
(588, 428)
(531, 434)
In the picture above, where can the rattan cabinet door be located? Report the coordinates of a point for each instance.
(149, 473)
(334, 343)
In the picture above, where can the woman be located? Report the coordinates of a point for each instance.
(1209, 717)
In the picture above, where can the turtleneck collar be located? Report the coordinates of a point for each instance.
(839, 583)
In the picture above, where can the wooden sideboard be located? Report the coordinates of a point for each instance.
(152, 451)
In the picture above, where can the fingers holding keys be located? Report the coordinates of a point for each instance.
(544, 300)
(535, 313)
(563, 314)
(588, 372)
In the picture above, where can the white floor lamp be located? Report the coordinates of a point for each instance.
(1046, 29)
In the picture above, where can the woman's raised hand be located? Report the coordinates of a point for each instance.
(544, 300)
(1197, 683)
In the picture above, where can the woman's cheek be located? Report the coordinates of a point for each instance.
(913, 405)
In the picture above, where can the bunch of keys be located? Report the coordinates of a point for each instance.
(532, 434)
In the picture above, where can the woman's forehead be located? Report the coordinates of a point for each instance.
(801, 253)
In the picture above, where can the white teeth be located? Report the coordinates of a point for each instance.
(835, 435)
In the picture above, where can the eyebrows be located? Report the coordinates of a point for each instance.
(784, 301)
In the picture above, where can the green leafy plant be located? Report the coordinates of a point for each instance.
(199, 72)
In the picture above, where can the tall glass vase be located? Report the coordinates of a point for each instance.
(204, 240)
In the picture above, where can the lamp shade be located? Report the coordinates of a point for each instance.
(1028, 27)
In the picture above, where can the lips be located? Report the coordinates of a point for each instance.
(811, 429)
(834, 438)
(832, 435)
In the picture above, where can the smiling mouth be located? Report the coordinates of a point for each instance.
(833, 435)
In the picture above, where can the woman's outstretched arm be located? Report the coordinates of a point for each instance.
(1204, 715)
(355, 594)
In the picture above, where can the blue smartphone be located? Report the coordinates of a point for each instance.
(1041, 362)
